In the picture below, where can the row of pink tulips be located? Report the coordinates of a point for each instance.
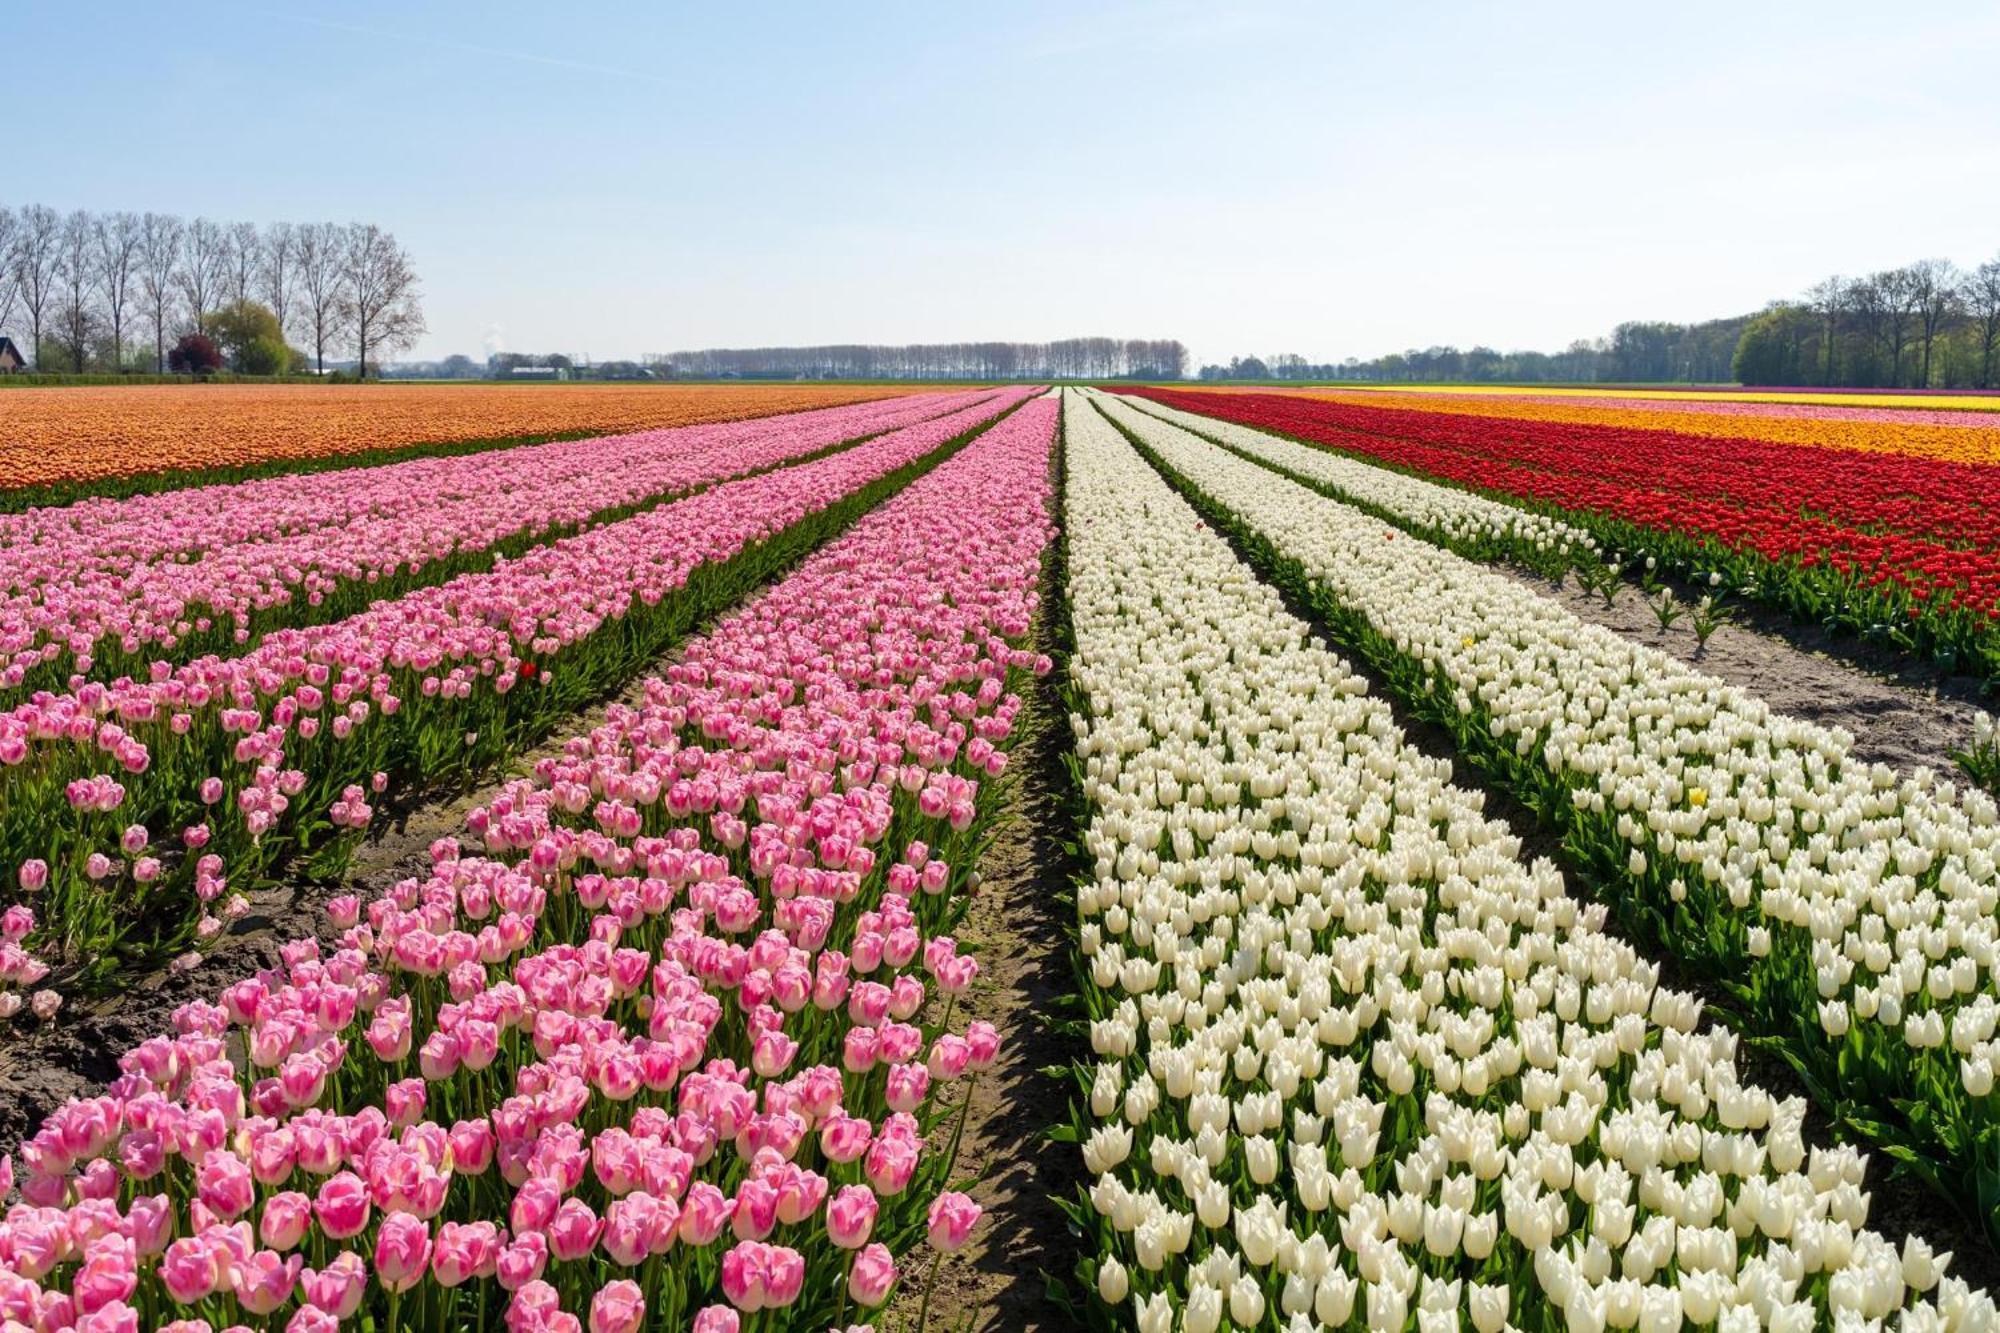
(106, 586)
(228, 762)
(669, 1053)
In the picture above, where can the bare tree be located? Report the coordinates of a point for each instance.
(204, 256)
(316, 254)
(1934, 289)
(159, 265)
(1829, 301)
(1898, 294)
(1980, 294)
(244, 252)
(10, 227)
(275, 259)
(36, 261)
(117, 238)
(379, 288)
(76, 283)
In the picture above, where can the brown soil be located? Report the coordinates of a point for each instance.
(1016, 929)
(1904, 715)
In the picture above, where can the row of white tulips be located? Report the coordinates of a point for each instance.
(1473, 525)
(1355, 1062)
(1857, 906)
(1458, 515)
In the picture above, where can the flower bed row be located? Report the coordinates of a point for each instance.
(671, 1051)
(1471, 524)
(236, 761)
(1355, 1062)
(1960, 435)
(1905, 550)
(1849, 913)
(61, 444)
(107, 587)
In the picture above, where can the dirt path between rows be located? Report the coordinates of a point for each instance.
(1015, 928)
(1905, 716)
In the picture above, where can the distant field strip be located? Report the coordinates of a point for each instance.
(73, 437)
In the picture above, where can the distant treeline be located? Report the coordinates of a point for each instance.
(119, 292)
(1068, 358)
(1926, 325)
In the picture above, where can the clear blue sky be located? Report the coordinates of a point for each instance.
(1328, 179)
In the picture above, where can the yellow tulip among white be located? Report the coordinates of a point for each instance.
(1354, 1058)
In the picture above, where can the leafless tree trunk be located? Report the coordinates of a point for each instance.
(1934, 290)
(36, 264)
(1829, 301)
(1898, 290)
(10, 227)
(380, 290)
(204, 254)
(274, 271)
(118, 239)
(317, 252)
(244, 252)
(1981, 294)
(76, 277)
(159, 261)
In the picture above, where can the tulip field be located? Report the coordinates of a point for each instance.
(1415, 936)
(1884, 528)
(62, 443)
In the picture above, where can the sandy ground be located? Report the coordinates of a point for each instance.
(1904, 715)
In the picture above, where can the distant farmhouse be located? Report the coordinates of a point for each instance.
(10, 357)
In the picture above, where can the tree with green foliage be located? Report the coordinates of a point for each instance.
(1768, 351)
(248, 335)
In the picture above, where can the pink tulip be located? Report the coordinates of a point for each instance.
(402, 1251)
(109, 1274)
(704, 1214)
(952, 1217)
(850, 1216)
(286, 1217)
(464, 1251)
(872, 1276)
(716, 1319)
(265, 1282)
(573, 1232)
(224, 1184)
(338, 1287)
(522, 1260)
(190, 1270)
(342, 1206)
(534, 1307)
(618, 1307)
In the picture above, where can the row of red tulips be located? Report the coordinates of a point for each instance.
(1903, 548)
